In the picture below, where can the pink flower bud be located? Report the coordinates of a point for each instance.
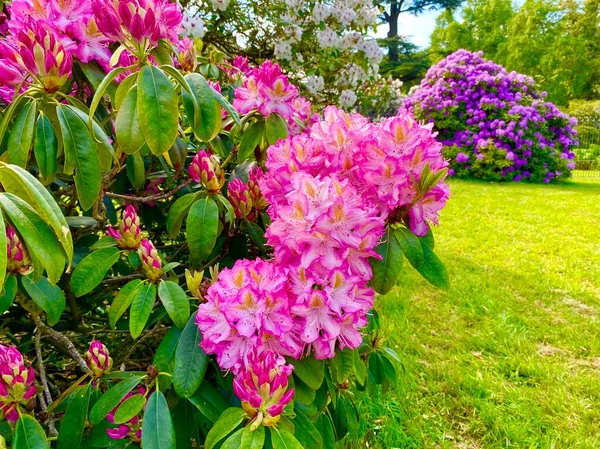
(18, 260)
(97, 358)
(258, 200)
(261, 386)
(131, 429)
(205, 169)
(16, 382)
(239, 197)
(151, 262)
(129, 235)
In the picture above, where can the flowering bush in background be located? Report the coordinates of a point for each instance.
(192, 252)
(494, 124)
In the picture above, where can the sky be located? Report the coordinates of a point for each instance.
(417, 29)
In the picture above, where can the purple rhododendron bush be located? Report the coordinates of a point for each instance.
(494, 125)
(192, 249)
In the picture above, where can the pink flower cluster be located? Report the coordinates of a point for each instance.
(267, 90)
(16, 382)
(261, 386)
(129, 233)
(131, 429)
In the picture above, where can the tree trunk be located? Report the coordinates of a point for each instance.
(392, 20)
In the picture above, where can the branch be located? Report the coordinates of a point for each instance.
(148, 199)
(42, 369)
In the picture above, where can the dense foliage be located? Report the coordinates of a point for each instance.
(192, 252)
(494, 124)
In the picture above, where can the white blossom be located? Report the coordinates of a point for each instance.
(351, 40)
(283, 50)
(320, 12)
(328, 38)
(315, 84)
(221, 5)
(347, 98)
(192, 26)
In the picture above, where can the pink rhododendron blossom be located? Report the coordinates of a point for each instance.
(131, 429)
(261, 386)
(17, 383)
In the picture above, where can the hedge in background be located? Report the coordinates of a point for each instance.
(494, 124)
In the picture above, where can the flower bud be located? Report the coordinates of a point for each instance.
(151, 263)
(194, 283)
(205, 169)
(258, 200)
(17, 258)
(97, 358)
(261, 387)
(16, 382)
(239, 197)
(187, 54)
(129, 235)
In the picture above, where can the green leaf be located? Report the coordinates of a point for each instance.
(101, 82)
(164, 358)
(23, 184)
(282, 439)
(360, 369)
(233, 441)
(8, 113)
(202, 228)
(190, 361)
(306, 432)
(410, 245)
(158, 112)
(342, 365)
(50, 298)
(123, 89)
(80, 152)
(387, 270)
(29, 434)
(275, 128)
(252, 439)
(157, 428)
(111, 399)
(376, 367)
(325, 427)
(432, 268)
(73, 422)
(227, 106)
(91, 270)
(209, 401)
(187, 431)
(3, 265)
(178, 211)
(136, 170)
(175, 301)
(227, 422)
(8, 294)
(45, 148)
(206, 124)
(127, 125)
(257, 235)
(21, 135)
(141, 308)
(123, 300)
(39, 239)
(250, 140)
(129, 408)
(310, 371)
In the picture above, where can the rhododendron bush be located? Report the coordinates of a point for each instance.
(494, 124)
(192, 252)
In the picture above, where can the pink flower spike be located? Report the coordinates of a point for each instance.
(17, 382)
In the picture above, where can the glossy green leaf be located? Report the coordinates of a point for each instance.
(275, 128)
(91, 270)
(8, 293)
(8, 114)
(233, 441)
(251, 138)
(29, 434)
(386, 270)
(157, 428)
(175, 301)
(325, 427)
(257, 235)
(282, 439)
(164, 358)
(81, 152)
(141, 308)
(73, 422)
(209, 401)
(129, 408)
(50, 298)
(45, 148)
(127, 125)
(178, 212)
(202, 228)
(123, 300)
(252, 439)
(21, 135)
(23, 184)
(157, 109)
(310, 371)
(227, 423)
(111, 398)
(123, 89)
(187, 431)
(410, 245)
(39, 239)
(4, 300)
(190, 360)
(306, 432)
(342, 365)
(231, 112)
(102, 83)
(432, 268)
(136, 170)
(360, 369)
(206, 124)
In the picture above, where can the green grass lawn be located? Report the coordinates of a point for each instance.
(510, 355)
